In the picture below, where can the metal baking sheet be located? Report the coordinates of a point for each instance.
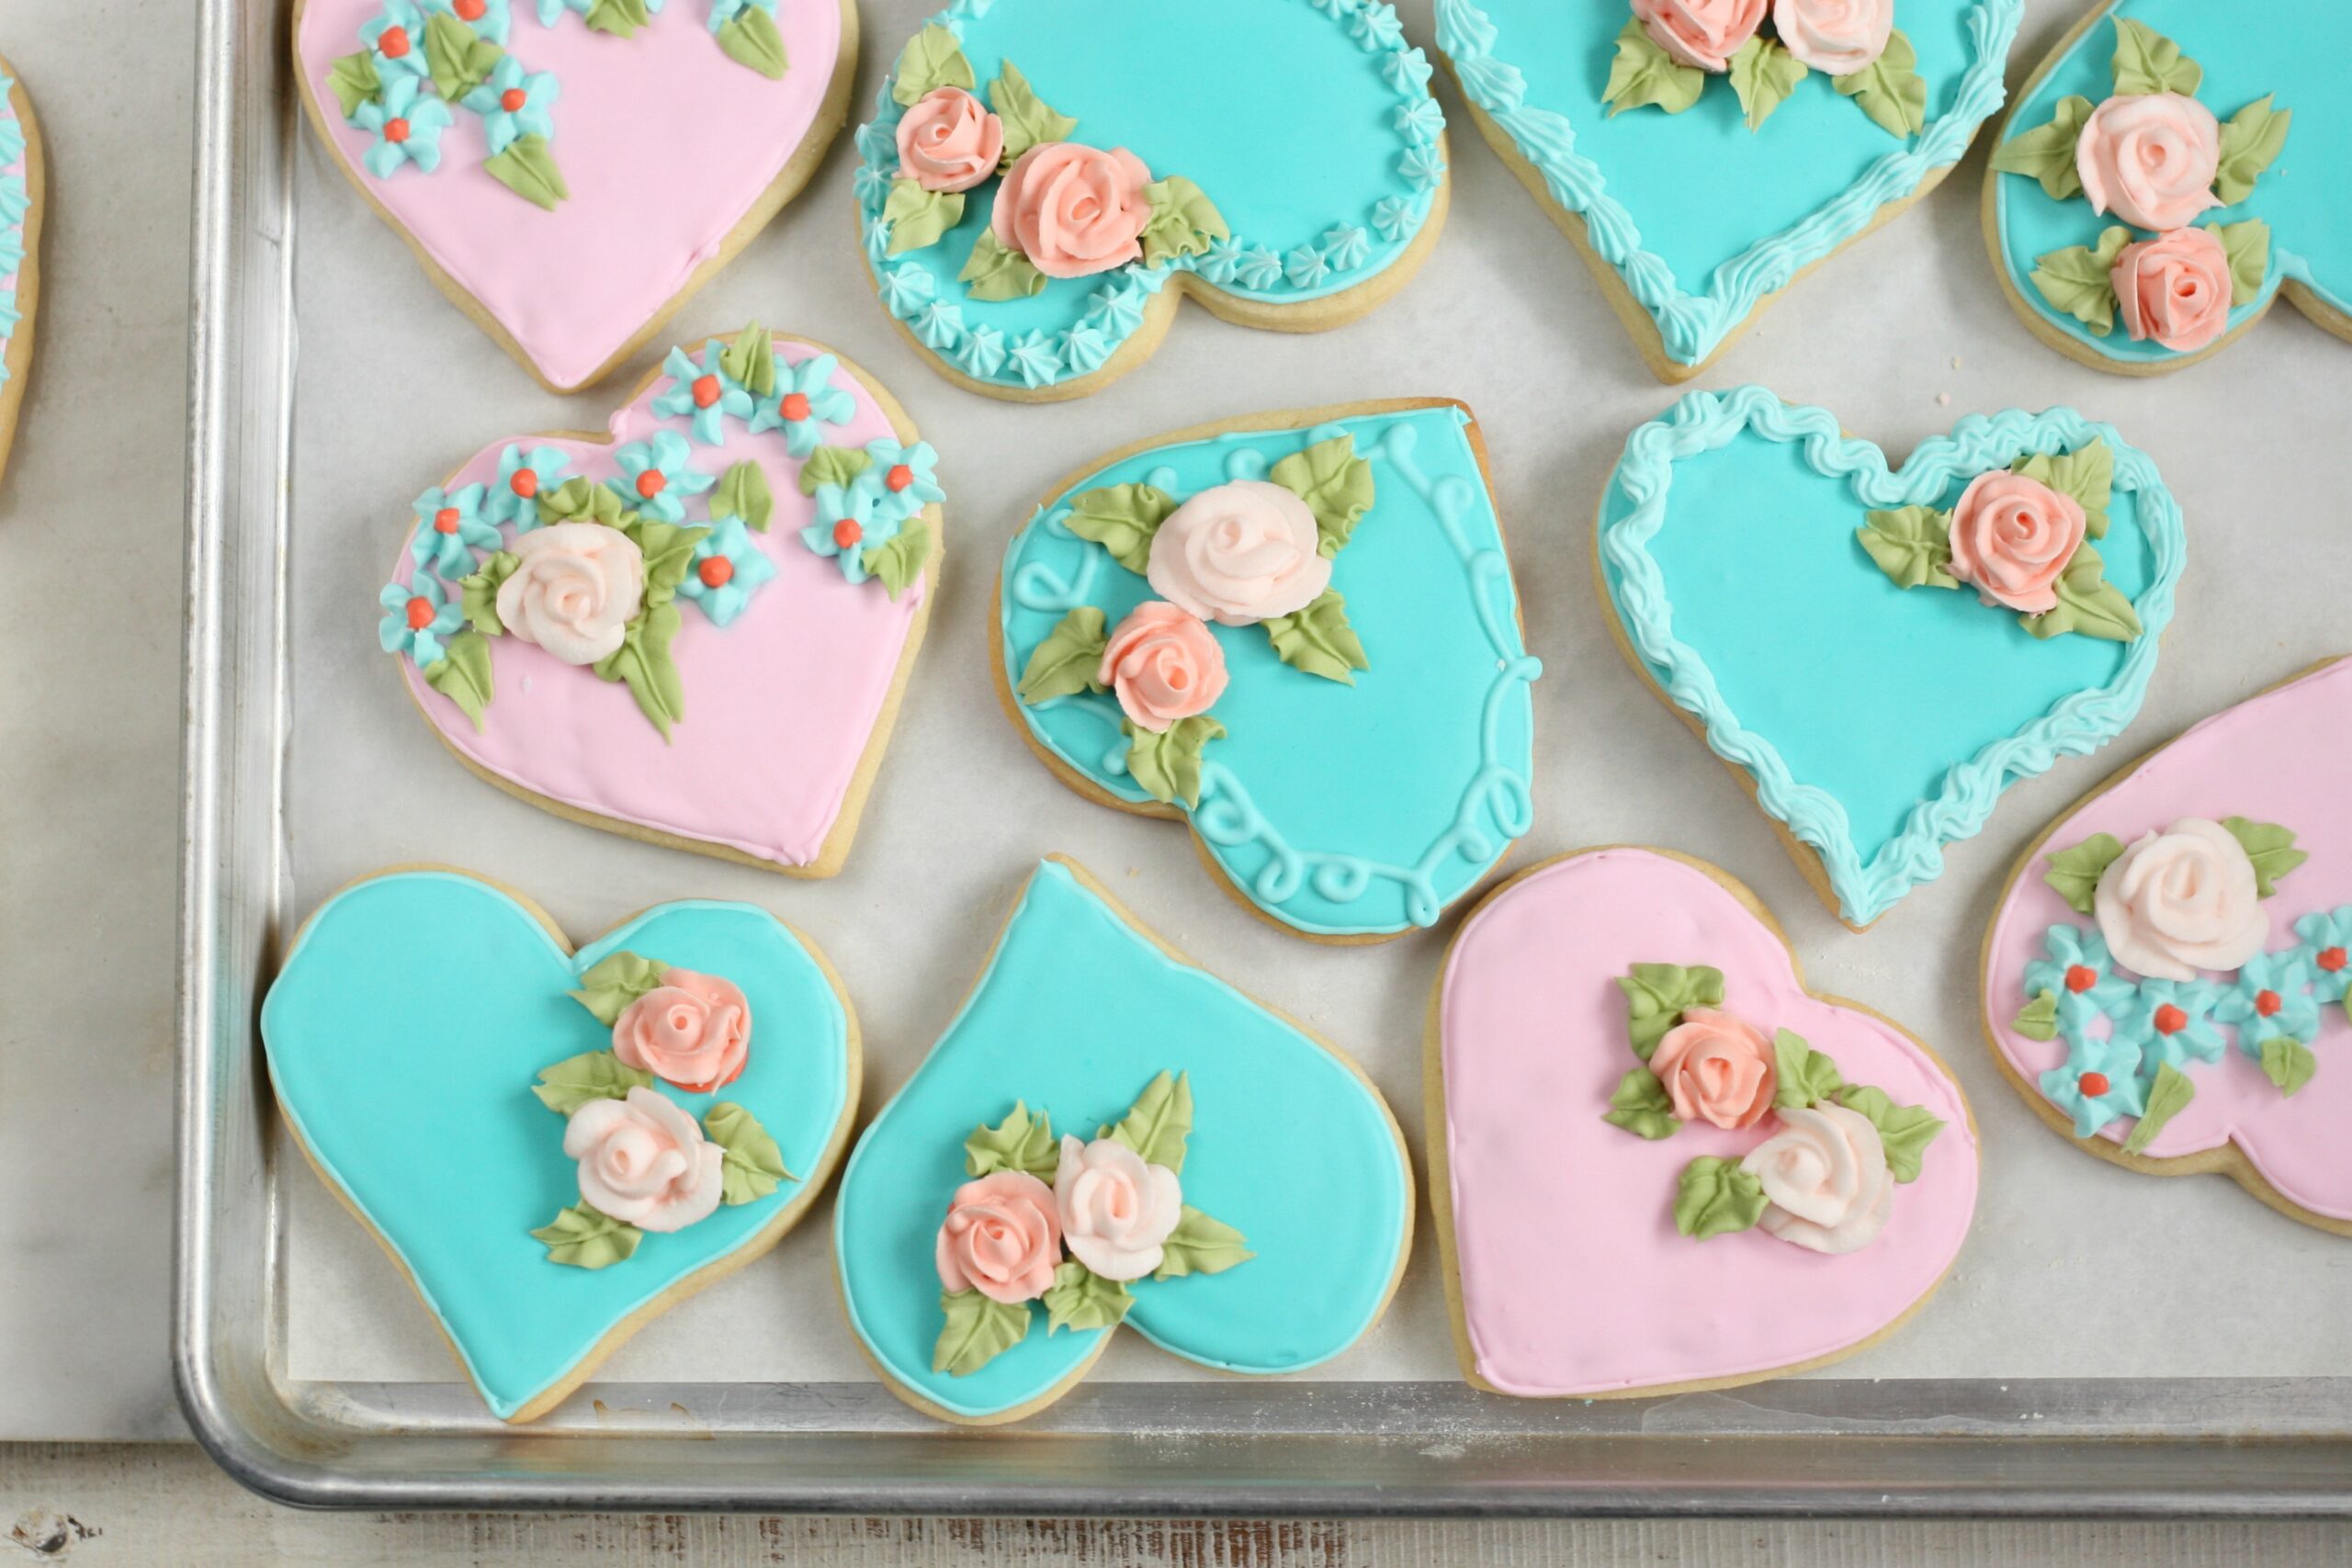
(2107, 1343)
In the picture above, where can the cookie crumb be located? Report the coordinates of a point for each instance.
(1943, 400)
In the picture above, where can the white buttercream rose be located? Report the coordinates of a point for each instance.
(574, 589)
(1115, 1210)
(1838, 37)
(1238, 554)
(2182, 900)
(1824, 1172)
(644, 1161)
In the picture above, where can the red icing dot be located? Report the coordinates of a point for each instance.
(526, 482)
(396, 132)
(470, 10)
(2093, 1085)
(445, 520)
(705, 391)
(2333, 959)
(650, 483)
(715, 570)
(512, 98)
(393, 41)
(2170, 1019)
(2268, 1002)
(796, 405)
(420, 613)
(846, 533)
(2080, 978)
(899, 477)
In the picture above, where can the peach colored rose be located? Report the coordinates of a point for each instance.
(948, 141)
(1838, 37)
(1002, 1237)
(1238, 554)
(694, 1030)
(1115, 1210)
(2174, 288)
(2150, 159)
(1716, 1069)
(644, 1161)
(2181, 900)
(2011, 538)
(1825, 1173)
(1705, 33)
(1164, 664)
(575, 590)
(1073, 210)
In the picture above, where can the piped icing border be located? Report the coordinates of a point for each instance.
(20, 218)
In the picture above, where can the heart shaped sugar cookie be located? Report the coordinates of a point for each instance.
(1765, 1180)
(545, 1222)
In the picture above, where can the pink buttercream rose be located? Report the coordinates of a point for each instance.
(1716, 1069)
(1073, 210)
(2182, 900)
(644, 1161)
(1164, 664)
(2011, 539)
(2174, 288)
(574, 589)
(1838, 37)
(694, 1030)
(1115, 1210)
(948, 141)
(1002, 1237)
(1238, 554)
(1705, 33)
(2150, 159)
(1825, 1173)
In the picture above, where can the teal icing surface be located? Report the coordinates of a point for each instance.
(1671, 199)
(1879, 725)
(404, 1033)
(1310, 127)
(1075, 1013)
(2300, 50)
(1337, 810)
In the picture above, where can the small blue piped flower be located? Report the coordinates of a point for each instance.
(906, 290)
(1392, 216)
(2078, 972)
(416, 617)
(1115, 310)
(409, 17)
(723, 589)
(1260, 269)
(1422, 165)
(847, 526)
(1084, 348)
(449, 528)
(705, 392)
(15, 202)
(982, 355)
(804, 402)
(12, 143)
(1376, 26)
(2168, 1025)
(512, 103)
(877, 242)
(725, 11)
(655, 479)
(505, 503)
(2099, 1082)
(407, 120)
(2328, 935)
(869, 184)
(939, 325)
(2269, 1000)
(903, 480)
(1420, 119)
(1221, 261)
(1035, 356)
(493, 19)
(1407, 71)
(551, 11)
(878, 140)
(1345, 246)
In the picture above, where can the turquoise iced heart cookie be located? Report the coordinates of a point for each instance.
(1691, 218)
(1288, 169)
(1368, 761)
(2260, 168)
(1076, 1016)
(1755, 557)
(404, 1034)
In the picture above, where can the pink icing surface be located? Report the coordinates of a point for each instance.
(2255, 760)
(779, 706)
(1573, 1279)
(664, 141)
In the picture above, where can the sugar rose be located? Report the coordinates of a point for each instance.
(1238, 554)
(2181, 900)
(948, 141)
(574, 589)
(1073, 210)
(1002, 1237)
(1115, 1210)
(1838, 37)
(1705, 33)
(644, 1161)
(692, 1030)
(1716, 1069)
(1163, 664)
(1825, 1173)
(2174, 288)
(2150, 159)
(2011, 539)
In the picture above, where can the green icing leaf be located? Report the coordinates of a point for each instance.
(2047, 152)
(462, 674)
(1656, 995)
(1802, 1076)
(598, 1075)
(621, 16)
(2087, 603)
(2247, 245)
(1714, 1197)
(585, 500)
(668, 549)
(586, 1237)
(2271, 849)
(642, 662)
(751, 39)
(1334, 483)
(1890, 88)
(1020, 1141)
(1027, 119)
(2250, 140)
(617, 981)
(1159, 1122)
(743, 492)
(1200, 1245)
(918, 217)
(1069, 660)
(1184, 220)
(2147, 62)
(528, 169)
(1764, 74)
(1904, 1130)
(1122, 519)
(1912, 544)
(1166, 766)
(932, 58)
(1643, 73)
(2073, 873)
(2079, 281)
(897, 561)
(2038, 1018)
(996, 271)
(458, 58)
(478, 591)
(751, 1164)
(751, 359)
(1080, 1299)
(353, 81)
(1641, 1105)
(1318, 640)
(978, 1330)
(2167, 1096)
(2285, 1062)
(2088, 475)
(832, 466)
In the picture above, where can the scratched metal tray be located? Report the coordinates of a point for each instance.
(1816, 1446)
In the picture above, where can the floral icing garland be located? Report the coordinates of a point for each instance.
(422, 56)
(2020, 536)
(591, 572)
(1115, 1204)
(2171, 907)
(1824, 1179)
(1766, 47)
(644, 1164)
(2155, 158)
(1248, 552)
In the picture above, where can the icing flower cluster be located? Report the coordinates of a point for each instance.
(1824, 1177)
(16, 206)
(1249, 552)
(646, 1165)
(2022, 537)
(1070, 1224)
(1767, 47)
(2157, 159)
(2172, 906)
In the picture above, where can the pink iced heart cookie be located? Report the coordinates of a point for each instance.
(695, 630)
(569, 171)
(1660, 1163)
(2166, 979)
